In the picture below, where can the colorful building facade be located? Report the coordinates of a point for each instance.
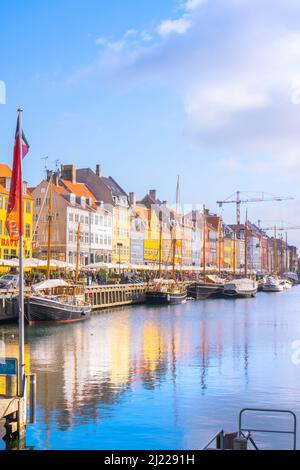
(9, 249)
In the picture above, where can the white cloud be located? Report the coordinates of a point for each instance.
(193, 4)
(101, 41)
(235, 64)
(179, 26)
(131, 32)
(147, 37)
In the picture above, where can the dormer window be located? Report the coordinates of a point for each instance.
(89, 201)
(83, 201)
(72, 199)
(7, 183)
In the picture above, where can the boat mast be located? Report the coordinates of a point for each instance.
(77, 253)
(174, 231)
(281, 254)
(275, 250)
(50, 215)
(204, 242)
(234, 253)
(160, 244)
(246, 247)
(286, 253)
(219, 243)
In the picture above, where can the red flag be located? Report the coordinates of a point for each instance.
(14, 215)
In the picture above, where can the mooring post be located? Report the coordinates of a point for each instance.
(11, 386)
(32, 398)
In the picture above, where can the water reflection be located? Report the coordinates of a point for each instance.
(162, 377)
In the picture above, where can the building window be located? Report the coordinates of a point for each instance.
(28, 208)
(92, 218)
(6, 203)
(0, 227)
(27, 231)
(96, 239)
(6, 255)
(70, 236)
(101, 220)
(1, 202)
(86, 237)
(71, 217)
(86, 221)
(76, 218)
(101, 239)
(92, 238)
(96, 220)
(81, 219)
(38, 201)
(13, 254)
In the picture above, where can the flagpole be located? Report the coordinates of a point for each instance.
(21, 272)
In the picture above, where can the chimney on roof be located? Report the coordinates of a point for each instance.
(68, 172)
(98, 170)
(152, 194)
(132, 199)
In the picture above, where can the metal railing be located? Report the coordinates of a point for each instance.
(292, 432)
(241, 439)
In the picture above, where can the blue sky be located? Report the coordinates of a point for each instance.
(208, 89)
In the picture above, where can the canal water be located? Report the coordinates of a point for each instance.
(164, 377)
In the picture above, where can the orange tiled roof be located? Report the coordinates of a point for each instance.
(60, 190)
(213, 220)
(79, 189)
(5, 171)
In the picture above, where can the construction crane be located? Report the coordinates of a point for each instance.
(264, 197)
(279, 228)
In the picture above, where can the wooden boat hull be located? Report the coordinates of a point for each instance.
(39, 310)
(202, 291)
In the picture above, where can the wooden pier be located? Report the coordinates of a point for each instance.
(115, 295)
(12, 412)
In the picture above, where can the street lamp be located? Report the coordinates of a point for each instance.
(119, 245)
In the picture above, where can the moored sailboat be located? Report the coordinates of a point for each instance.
(56, 301)
(240, 288)
(272, 284)
(167, 292)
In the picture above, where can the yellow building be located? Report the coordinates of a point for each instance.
(121, 234)
(151, 233)
(230, 248)
(8, 248)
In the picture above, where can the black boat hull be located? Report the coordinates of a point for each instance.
(204, 291)
(40, 310)
(157, 298)
(165, 298)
